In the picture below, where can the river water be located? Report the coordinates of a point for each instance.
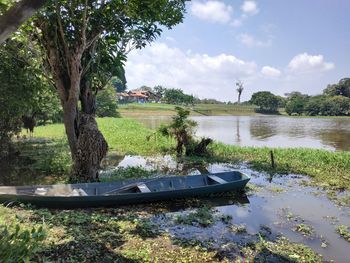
(270, 131)
(277, 204)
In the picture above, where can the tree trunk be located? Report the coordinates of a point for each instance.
(91, 147)
(239, 98)
(17, 15)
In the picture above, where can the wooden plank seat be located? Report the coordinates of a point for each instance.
(217, 179)
(143, 188)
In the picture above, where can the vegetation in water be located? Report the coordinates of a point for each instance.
(344, 232)
(203, 216)
(306, 230)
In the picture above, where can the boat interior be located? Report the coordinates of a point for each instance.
(124, 187)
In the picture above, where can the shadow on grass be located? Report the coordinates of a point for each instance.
(89, 236)
(39, 161)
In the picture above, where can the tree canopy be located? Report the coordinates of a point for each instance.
(266, 101)
(85, 43)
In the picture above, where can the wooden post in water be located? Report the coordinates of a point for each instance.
(272, 160)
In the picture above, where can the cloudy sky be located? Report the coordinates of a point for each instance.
(273, 45)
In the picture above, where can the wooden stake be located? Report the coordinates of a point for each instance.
(272, 160)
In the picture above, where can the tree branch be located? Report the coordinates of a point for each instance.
(17, 15)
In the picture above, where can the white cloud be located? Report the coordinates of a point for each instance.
(250, 7)
(270, 72)
(198, 74)
(305, 63)
(212, 11)
(237, 22)
(251, 41)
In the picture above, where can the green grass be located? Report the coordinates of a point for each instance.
(125, 136)
(327, 169)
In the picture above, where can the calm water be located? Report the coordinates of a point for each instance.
(270, 131)
(264, 209)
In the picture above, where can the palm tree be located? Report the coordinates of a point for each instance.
(240, 88)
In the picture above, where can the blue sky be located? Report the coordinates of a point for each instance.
(273, 45)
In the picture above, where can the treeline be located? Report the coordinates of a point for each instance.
(178, 96)
(334, 101)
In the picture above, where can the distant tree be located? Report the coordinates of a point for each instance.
(239, 89)
(313, 107)
(106, 103)
(282, 101)
(265, 100)
(178, 97)
(159, 90)
(342, 88)
(336, 106)
(296, 102)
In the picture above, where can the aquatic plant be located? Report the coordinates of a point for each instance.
(344, 232)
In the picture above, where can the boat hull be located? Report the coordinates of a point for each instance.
(121, 198)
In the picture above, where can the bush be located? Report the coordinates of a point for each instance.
(106, 103)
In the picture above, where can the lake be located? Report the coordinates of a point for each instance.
(270, 131)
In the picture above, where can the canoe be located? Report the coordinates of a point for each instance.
(123, 192)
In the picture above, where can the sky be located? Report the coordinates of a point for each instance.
(270, 45)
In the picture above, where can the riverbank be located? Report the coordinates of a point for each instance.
(153, 232)
(128, 137)
(161, 109)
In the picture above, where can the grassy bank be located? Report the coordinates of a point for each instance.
(137, 109)
(126, 136)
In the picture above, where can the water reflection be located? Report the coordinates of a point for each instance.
(262, 128)
(270, 131)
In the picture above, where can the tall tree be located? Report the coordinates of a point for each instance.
(239, 89)
(86, 43)
(11, 20)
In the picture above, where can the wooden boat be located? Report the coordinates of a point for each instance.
(123, 192)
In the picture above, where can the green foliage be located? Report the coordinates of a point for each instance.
(204, 216)
(342, 88)
(306, 230)
(18, 245)
(327, 169)
(328, 106)
(110, 30)
(22, 89)
(344, 232)
(177, 97)
(106, 102)
(118, 84)
(296, 103)
(181, 128)
(266, 101)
